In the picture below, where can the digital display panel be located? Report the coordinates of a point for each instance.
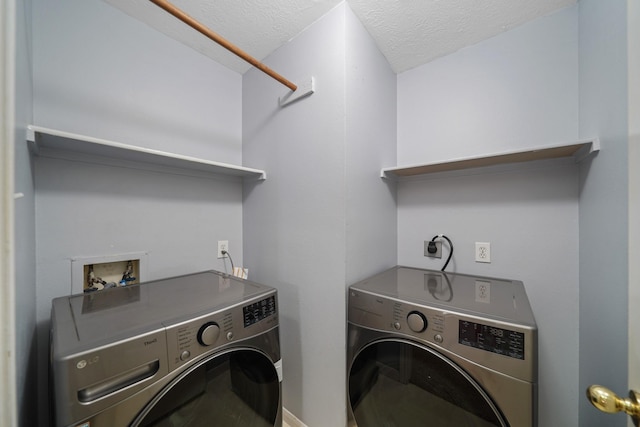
(489, 338)
(259, 310)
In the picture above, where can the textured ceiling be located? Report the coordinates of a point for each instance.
(408, 32)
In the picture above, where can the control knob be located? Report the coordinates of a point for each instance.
(208, 333)
(417, 321)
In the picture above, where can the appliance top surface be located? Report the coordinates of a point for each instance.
(486, 297)
(151, 305)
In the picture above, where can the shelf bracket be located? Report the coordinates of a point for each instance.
(305, 88)
(587, 149)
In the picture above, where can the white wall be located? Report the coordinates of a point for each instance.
(604, 203)
(101, 73)
(516, 90)
(299, 228)
(25, 242)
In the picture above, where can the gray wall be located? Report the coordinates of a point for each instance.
(370, 143)
(301, 233)
(604, 203)
(518, 89)
(101, 73)
(323, 218)
(25, 242)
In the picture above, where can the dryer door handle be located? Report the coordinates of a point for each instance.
(114, 384)
(607, 401)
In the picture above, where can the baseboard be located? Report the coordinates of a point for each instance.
(290, 419)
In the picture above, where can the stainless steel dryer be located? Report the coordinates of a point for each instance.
(196, 350)
(440, 349)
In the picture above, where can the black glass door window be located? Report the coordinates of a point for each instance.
(236, 389)
(401, 384)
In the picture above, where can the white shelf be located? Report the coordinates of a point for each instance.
(578, 150)
(55, 143)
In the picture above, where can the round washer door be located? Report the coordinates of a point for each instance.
(400, 383)
(236, 388)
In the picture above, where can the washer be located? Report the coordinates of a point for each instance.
(195, 350)
(440, 349)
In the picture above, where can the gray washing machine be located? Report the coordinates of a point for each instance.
(440, 349)
(196, 350)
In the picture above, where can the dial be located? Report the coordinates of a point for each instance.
(208, 333)
(417, 321)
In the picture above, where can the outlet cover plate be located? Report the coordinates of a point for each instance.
(483, 252)
(223, 245)
(437, 254)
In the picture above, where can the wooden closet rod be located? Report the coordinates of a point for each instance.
(167, 6)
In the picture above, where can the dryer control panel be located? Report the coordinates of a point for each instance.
(424, 323)
(507, 347)
(491, 338)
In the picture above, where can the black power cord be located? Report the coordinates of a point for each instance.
(431, 248)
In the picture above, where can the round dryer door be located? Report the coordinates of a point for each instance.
(399, 383)
(237, 388)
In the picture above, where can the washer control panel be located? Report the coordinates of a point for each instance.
(259, 310)
(189, 339)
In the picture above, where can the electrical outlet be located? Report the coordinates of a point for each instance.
(223, 245)
(483, 252)
(437, 253)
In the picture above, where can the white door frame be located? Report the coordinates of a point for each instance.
(8, 406)
(633, 55)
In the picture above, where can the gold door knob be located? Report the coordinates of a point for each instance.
(607, 401)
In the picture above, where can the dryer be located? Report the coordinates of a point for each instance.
(195, 350)
(440, 349)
